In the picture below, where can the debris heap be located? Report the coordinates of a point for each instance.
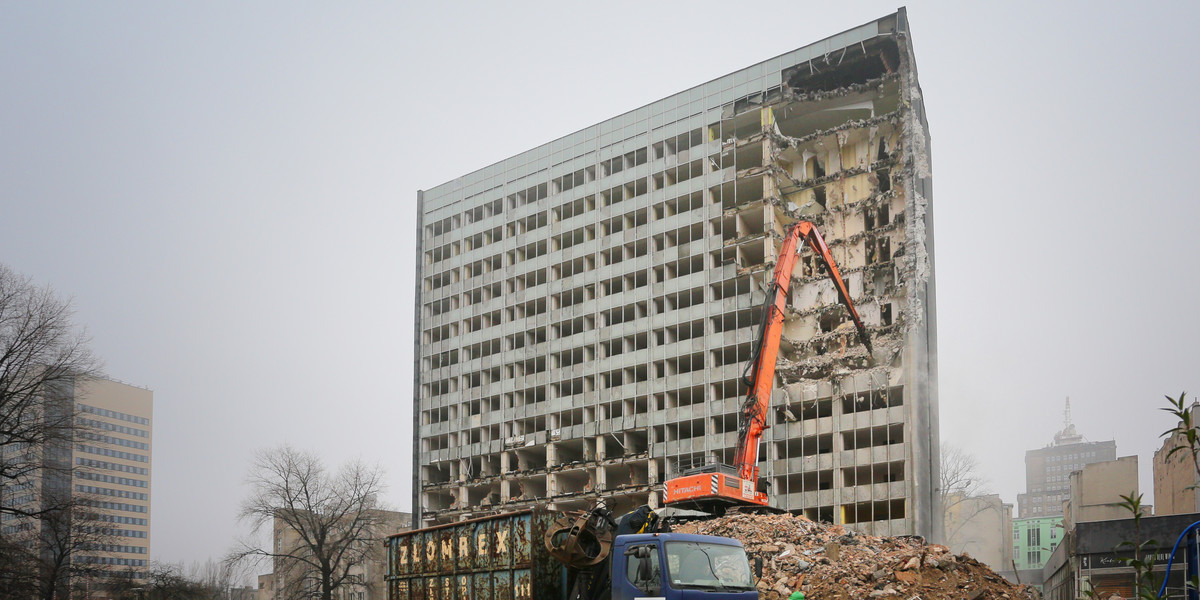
(829, 562)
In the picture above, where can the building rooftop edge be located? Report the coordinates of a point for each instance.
(1053, 446)
(900, 15)
(115, 380)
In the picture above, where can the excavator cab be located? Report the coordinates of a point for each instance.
(715, 488)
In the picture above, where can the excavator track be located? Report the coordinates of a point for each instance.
(755, 509)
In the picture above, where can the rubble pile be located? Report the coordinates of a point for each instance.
(829, 562)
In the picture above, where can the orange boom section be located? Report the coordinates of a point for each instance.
(739, 484)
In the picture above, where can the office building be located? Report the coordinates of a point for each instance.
(585, 308)
(105, 472)
(1048, 470)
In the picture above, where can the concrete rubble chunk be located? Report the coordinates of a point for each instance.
(816, 558)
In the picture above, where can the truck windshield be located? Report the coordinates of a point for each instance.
(699, 565)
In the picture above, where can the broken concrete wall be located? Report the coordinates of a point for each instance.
(854, 160)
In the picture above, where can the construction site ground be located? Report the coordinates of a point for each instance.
(829, 562)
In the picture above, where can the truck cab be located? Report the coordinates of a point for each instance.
(680, 566)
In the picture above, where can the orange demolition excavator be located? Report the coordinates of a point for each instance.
(713, 488)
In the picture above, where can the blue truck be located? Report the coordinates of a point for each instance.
(518, 556)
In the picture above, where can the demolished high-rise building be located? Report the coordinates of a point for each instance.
(585, 308)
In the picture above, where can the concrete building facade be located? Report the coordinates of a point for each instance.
(1095, 491)
(1048, 470)
(106, 470)
(980, 526)
(1176, 482)
(1033, 541)
(585, 308)
(293, 579)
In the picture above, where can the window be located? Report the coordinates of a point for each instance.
(643, 570)
(704, 566)
(1033, 537)
(112, 414)
(1033, 557)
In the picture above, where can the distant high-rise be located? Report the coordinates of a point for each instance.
(1048, 470)
(103, 473)
(585, 309)
(113, 465)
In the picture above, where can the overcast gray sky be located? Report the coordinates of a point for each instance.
(227, 191)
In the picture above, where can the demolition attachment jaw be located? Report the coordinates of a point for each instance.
(581, 539)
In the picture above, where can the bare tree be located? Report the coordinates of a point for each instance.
(960, 476)
(42, 357)
(44, 558)
(15, 570)
(324, 523)
(218, 576)
(165, 581)
(42, 354)
(960, 482)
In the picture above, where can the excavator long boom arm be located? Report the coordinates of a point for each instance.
(760, 372)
